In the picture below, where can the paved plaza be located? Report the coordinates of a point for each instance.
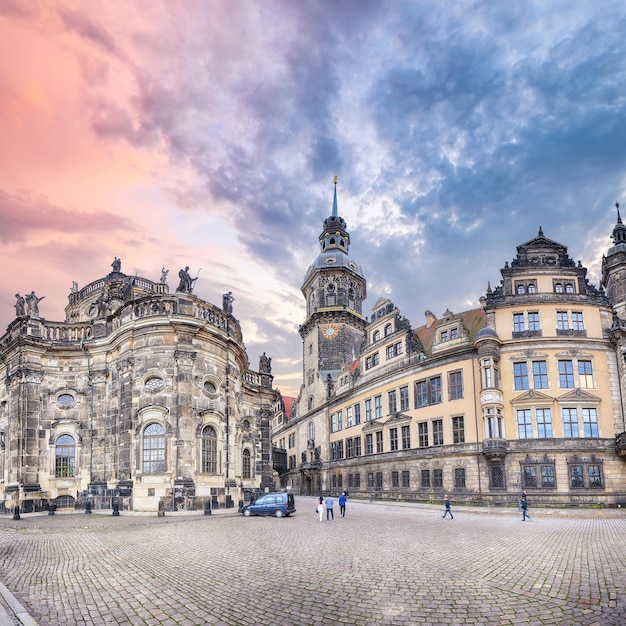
(384, 563)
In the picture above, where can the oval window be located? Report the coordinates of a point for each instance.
(66, 400)
(209, 386)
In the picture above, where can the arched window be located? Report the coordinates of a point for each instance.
(153, 449)
(209, 450)
(376, 336)
(245, 466)
(532, 288)
(569, 288)
(330, 295)
(310, 403)
(521, 290)
(388, 330)
(65, 460)
(558, 288)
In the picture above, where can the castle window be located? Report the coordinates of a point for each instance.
(65, 457)
(569, 288)
(245, 464)
(521, 290)
(66, 400)
(209, 450)
(376, 336)
(153, 448)
(558, 287)
(532, 288)
(310, 403)
(388, 330)
(444, 336)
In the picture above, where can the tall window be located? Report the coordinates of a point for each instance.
(590, 422)
(437, 432)
(393, 439)
(406, 437)
(312, 430)
(459, 478)
(494, 423)
(570, 423)
(369, 444)
(540, 375)
(65, 457)
(561, 320)
(395, 479)
(349, 448)
(524, 424)
(391, 397)
(209, 450)
(340, 420)
(544, 423)
(357, 446)
(520, 373)
(422, 434)
(246, 465)
(566, 375)
(349, 418)
(406, 480)
(533, 321)
(425, 479)
(585, 374)
(368, 410)
(357, 414)
(379, 441)
(388, 330)
(404, 398)
(458, 429)
(153, 449)
(378, 407)
(438, 479)
(577, 320)
(490, 373)
(455, 385)
(518, 323)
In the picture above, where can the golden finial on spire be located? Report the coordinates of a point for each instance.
(335, 180)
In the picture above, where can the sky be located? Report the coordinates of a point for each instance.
(207, 133)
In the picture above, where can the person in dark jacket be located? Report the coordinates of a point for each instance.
(448, 509)
(524, 504)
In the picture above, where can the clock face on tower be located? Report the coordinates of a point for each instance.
(330, 331)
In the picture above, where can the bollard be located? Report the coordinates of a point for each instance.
(16, 512)
(207, 507)
(88, 508)
(51, 508)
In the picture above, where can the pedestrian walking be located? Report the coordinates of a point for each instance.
(329, 508)
(342, 504)
(448, 509)
(524, 504)
(320, 508)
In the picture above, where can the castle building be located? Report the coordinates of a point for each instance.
(141, 397)
(525, 392)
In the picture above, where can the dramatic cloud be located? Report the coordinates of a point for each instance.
(208, 133)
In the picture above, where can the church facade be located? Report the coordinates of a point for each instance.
(524, 393)
(141, 397)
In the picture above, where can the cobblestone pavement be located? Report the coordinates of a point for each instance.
(383, 563)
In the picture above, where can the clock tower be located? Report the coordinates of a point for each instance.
(334, 289)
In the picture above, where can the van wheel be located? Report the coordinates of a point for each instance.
(246, 513)
(279, 513)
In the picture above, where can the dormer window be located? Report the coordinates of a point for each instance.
(521, 290)
(532, 288)
(332, 241)
(388, 330)
(569, 288)
(376, 336)
(558, 288)
(444, 336)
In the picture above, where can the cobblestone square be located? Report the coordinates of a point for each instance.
(384, 563)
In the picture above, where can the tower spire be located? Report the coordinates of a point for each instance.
(335, 211)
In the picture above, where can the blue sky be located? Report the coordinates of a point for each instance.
(208, 133)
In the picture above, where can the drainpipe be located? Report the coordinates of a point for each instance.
(90, 383)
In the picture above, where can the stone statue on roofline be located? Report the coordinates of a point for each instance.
(20, 305)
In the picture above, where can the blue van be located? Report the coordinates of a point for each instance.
(280, 504)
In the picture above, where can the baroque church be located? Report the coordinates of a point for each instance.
(141, 398)
(526, 392)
